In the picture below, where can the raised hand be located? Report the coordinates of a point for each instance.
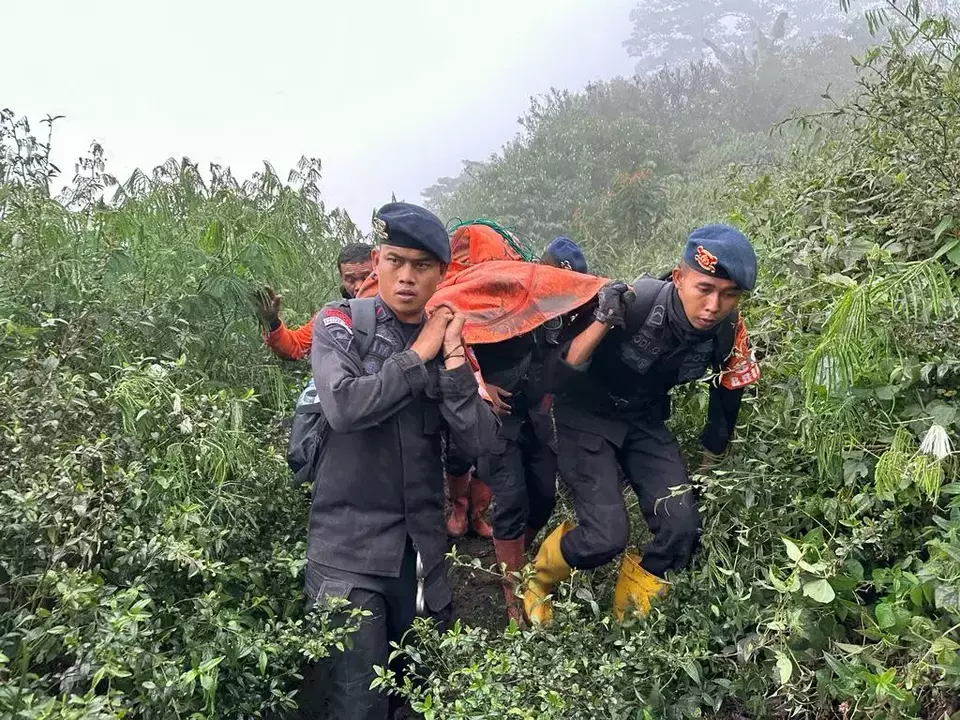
(611, 306)
(432, 334)
(268, 307)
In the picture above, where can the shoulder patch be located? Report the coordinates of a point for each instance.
(333, 316)
(336, 321)
(742, 368)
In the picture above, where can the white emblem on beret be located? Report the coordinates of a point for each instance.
(380, 229)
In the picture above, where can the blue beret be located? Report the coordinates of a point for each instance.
(723, 252)
(411, 226)
(567, 254)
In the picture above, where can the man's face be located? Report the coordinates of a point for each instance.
(352, 275)
(408, 278)
(706, 300)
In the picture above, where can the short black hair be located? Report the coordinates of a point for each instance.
(354, 253)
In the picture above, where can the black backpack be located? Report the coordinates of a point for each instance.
(309, 423)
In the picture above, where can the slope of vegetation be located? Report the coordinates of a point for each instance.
(828, 582)
(152, 548)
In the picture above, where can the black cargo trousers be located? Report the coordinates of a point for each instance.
(521, 470)
(338, 687)
(591, 448)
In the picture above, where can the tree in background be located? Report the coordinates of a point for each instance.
(671, 33)
(602, 163)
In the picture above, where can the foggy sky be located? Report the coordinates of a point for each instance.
(390, 94)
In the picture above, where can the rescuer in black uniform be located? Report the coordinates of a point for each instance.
(522, 467)
(613, 381)
(377, 510)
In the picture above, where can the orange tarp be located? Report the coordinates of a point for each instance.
(501, 295)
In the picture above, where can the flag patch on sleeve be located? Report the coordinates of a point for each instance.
(742, 368)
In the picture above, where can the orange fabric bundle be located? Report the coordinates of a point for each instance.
(501, 295)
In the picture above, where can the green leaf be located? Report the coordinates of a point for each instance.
(852, 649)
(819, 590)
(690, 668)
(885, 393)
(946, 248)
(953, 255)
(945, 224)
(793, 552)
(784, 667)
(210, 664)
(947, 597)
(886, 617)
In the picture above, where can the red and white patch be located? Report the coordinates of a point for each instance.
(706, 260)
(742, 368)
(475, 366)
(334, 317)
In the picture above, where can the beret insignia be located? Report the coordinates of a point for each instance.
(706, 259)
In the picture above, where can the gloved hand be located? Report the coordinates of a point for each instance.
(611, 305)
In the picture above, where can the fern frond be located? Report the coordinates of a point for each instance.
(916, 292)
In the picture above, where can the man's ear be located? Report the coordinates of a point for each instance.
(375, 257)
(677, 275)
(443, 270)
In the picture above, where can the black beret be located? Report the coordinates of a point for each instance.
(411, 226)
(722, 251)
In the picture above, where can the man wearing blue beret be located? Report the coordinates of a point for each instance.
(564, 253)
(613, 382)
(522, 468)
(389, 383)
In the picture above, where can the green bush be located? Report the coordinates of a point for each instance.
(828, 579)
(152, 552)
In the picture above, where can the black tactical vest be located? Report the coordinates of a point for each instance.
(648, 343)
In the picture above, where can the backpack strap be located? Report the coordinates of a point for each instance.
(363, 312)
(647, 288)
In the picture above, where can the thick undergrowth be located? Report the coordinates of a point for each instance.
(827, 580)
(152, 548)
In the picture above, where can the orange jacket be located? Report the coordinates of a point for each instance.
(290, 344)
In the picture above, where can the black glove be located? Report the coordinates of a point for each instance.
(611, 306)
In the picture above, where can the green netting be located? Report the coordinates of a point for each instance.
(522, 246)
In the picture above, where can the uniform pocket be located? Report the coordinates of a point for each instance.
(318, 587)
(588, 446)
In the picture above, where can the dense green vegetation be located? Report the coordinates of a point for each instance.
(828, 583)
(152, 548)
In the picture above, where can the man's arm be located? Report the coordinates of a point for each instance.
(583, 345)
(470, 419)
(609, 313)
(290, 344)
(722, 415)
(350, 400)
(740, 371)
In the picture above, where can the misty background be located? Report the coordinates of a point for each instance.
(390, 96)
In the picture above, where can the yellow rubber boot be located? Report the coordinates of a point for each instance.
(550, 568)
(635, 587)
